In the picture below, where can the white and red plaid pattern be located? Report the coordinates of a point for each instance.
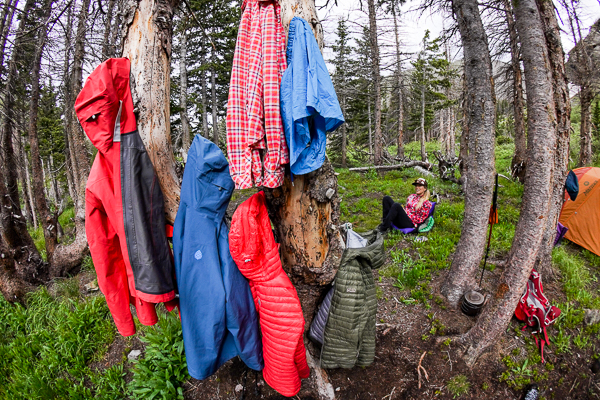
(254, 126)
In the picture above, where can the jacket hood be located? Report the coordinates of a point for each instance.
(252, 244)
(206, 157)
(106, 91)
(372, 255)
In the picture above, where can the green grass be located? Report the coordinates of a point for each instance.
(458, 386)
(45, 348)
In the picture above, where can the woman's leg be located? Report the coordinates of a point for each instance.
(398, 217)
(387, 203)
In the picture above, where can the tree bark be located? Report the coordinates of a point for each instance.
(423, 152)
(183, 95)
(518, 160)
(400, 151)
(24, 178)
(479, 128)
(47, 218)
(147, 44)
(563, 131)
(213, 89)
(541, 120)
(586, 95)
(370, 129)
(205, 132)
(7, 17)
(378, 139)
(344, 132)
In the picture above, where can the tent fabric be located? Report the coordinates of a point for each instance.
(582, 216)
(124, 221)
(309, 104)
(256, 254)
(218, 316)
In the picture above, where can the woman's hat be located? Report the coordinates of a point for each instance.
(420, 182)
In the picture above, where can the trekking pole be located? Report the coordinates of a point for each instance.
(492, 221)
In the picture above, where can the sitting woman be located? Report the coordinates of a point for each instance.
(416, 211)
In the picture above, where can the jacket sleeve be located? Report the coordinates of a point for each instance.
(105, 249)
(300, 360)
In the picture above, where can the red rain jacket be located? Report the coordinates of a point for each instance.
(125, 222)
(256, 254)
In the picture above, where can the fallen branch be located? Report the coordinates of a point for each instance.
(408, 164)
(420, 367)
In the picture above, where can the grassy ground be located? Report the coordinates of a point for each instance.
(64, 343)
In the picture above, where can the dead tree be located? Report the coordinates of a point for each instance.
(375, 72)
(537, 194)
(147, 43)
(479, 105)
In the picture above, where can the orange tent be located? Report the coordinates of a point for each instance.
(582, 216)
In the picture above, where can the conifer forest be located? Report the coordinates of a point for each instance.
(119, 116)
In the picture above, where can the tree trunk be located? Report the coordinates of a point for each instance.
(213, 89)
(7, 17)
(451, 135)
(183, 95)
(24, 178)
(149, 31)
(563, 131)
(107, 50)
(537, 194)
(370, 131)
(518, 160)
(12, 83)
(68, 108)
(378, 142)
(205, 132)
(479, 126)
(116, 29)
(306, 216)
(400, 152)
(423, 152)
(344, 132)
(47, 219)
(68, 257)
(586, 95)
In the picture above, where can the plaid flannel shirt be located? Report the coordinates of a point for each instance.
(255, 136)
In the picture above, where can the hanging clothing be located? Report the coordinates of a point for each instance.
(309, 104)
(256, 145)
(218, 316)
(256, 254)
(124, 206)
(349, 336)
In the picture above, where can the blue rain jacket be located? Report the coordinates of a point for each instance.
(218, 316)
(309, 105)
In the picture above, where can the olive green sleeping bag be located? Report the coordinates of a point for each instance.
(349, 337)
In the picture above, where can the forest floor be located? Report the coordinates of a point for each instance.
(64, 344)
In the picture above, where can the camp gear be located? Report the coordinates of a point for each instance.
(561, 231)
(472, 303)
(535, 310)
(349, 337)
(218, 316)
(253, 114)
(426, 226)
(412, 230)
(317, 327)
(256, 254)
(572, 185)
(124, 208)
(532, 393)
(582, 216)
(420, 182)
(309, 105)
(492, 220)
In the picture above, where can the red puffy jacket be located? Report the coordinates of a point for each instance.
(256, 254)
(124, 206)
